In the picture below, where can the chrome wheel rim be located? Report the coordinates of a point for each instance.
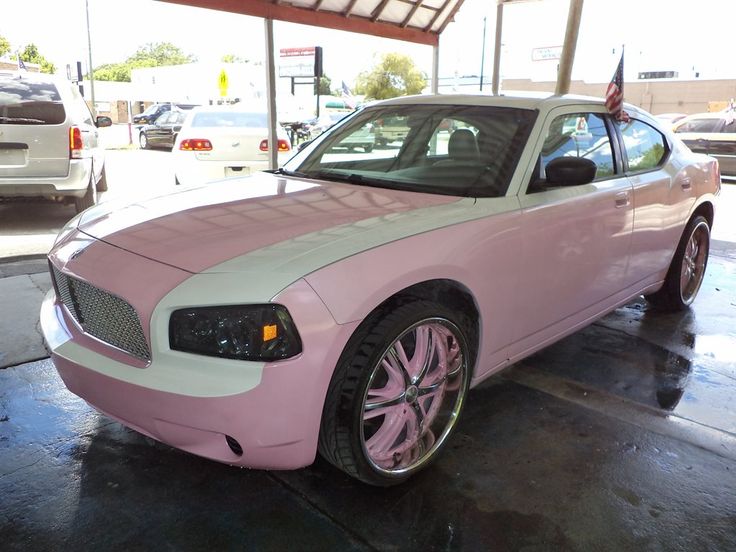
(414, 397)
(143, 140)
(694, 260)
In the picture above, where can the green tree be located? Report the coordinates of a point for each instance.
(395, 75)
(232, 58)
(30, 54)
(149, 55)
(4, 45)
(325, 83)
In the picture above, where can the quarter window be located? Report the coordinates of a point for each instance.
(646, 147)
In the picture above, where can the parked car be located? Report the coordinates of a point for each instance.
(224, 141)
(154, 111)
(713, 134)
(163, 132)
(49, 145)
(347, 303)
(671, 118)
(392, 129)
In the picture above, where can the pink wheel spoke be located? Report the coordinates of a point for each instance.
(423, 353)
(386, 436)
(396, 354)
(380, 410)
(385, 403)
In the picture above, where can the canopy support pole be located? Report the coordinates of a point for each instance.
(568, 48)
(435, 68)
(497, 49)
(271, 96)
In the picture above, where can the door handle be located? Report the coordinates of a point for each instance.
(686, 183)
(622, 199)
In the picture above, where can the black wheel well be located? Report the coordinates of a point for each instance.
(705, 209)
(449, 293)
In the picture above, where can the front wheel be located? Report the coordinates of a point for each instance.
(687, 270)
(396, 394)
(143, 140)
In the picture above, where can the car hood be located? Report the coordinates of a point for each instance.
(197, 229)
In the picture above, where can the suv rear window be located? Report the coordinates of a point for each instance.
(24, 102)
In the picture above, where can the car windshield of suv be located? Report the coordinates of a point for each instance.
(25, 102)
(230, 119)
(450, 150)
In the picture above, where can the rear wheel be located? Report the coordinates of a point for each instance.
(88, 199)
(143, 140)
(102, 182)
(396, 394)
(687, 270)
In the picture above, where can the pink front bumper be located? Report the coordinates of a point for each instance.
(276, 423)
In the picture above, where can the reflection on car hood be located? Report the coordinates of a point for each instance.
(198, 228)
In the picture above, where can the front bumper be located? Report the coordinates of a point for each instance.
(273, 410)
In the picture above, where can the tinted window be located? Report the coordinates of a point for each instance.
(443, 149)
(579, 135)
(645, 146)
(729, 125)
(699, 125)
(23, 102)
(229, 119)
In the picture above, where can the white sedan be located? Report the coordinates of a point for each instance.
(217, 142)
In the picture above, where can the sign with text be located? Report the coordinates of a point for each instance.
(545, 54)
(300, 62)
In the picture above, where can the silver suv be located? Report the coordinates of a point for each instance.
(49, 145)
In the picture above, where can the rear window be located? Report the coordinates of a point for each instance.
(23, 102)
(227, 119)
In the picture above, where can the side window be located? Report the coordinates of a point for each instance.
(163, 119)
(579, 135)
(646, 147)
(698, 125)
(729, 125)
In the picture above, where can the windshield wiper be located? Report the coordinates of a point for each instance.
(288, 173)
(4, 119)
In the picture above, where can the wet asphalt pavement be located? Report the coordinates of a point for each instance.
(622, 436)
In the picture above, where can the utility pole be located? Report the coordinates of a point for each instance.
(483, 53)
(91, 72)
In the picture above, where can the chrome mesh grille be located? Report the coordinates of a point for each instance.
(102, 315)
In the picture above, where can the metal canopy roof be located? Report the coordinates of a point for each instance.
(420, 21)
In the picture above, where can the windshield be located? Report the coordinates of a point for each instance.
(453, 150)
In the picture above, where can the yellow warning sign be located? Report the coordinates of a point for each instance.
(223, 83)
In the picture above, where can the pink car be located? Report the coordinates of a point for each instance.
(346, 303)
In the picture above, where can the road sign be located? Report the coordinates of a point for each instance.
(223, 83)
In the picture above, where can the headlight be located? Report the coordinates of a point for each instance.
(243, 332)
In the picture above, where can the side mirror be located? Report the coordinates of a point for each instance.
(570, 171)
(103, 121)
(303, 145)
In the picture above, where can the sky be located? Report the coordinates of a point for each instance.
(679, 35)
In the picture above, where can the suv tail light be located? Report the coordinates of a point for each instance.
(76, 144)
(283, 145)
(195, 144)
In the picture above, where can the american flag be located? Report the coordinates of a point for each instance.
(347, 95)
(615, 92)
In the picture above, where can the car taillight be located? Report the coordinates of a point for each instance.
(76, 144)
(195, 144)
(283, 145)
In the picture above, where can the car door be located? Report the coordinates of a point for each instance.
(576, 238)
(663, 195)
(173, 126)
(156, 132)
(723, 145)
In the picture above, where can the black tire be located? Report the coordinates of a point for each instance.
(350, 436)
(102, 182)
(143, 141)
(88, 199)
(687, 269)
